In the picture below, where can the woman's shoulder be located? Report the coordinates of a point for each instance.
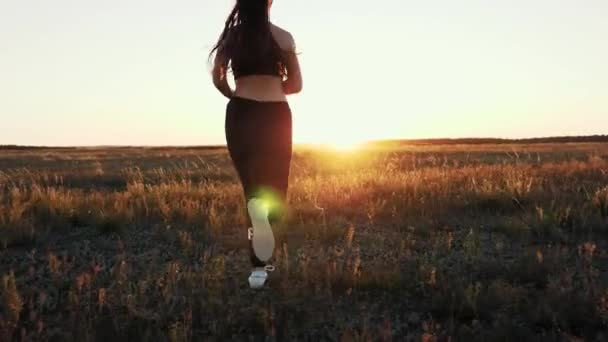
(283, 37)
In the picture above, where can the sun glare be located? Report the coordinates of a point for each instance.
(336, 140)
(345, 145)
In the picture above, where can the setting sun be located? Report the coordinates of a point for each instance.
(345, 145)
(333, 134)
(336, 142)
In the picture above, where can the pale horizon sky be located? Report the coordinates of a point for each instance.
(81, 72)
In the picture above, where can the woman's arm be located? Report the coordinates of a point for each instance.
(219, 75)
(293, 83)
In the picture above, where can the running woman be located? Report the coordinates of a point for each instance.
(258, 125)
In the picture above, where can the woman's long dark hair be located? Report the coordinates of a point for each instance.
(247, 37)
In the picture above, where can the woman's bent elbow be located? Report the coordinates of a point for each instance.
(295, 88)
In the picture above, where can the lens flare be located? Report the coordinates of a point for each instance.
(268, 200)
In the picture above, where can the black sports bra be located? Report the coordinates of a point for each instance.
(264, 66)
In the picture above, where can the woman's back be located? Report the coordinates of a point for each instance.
(264, 69)
(264, 80)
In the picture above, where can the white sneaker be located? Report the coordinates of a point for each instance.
(258, 276)
(263, 238)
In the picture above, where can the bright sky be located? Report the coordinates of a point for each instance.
(115, 72)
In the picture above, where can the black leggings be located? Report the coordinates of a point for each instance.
(259, 139)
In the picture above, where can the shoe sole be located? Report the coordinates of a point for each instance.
(257, 283)
(263, 238)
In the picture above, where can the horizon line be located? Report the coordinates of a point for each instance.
(590, 137)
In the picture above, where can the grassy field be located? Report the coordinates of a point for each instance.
(412, 243)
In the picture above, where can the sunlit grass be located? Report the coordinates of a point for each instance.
(413, 243)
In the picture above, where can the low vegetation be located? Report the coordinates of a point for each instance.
(476, 242)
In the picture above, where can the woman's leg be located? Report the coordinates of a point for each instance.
(259, 137)
(244, 167)
(272, 160)
(265, 176)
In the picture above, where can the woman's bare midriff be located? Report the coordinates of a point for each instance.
(260, 88)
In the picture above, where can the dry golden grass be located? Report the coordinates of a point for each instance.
(460, 242)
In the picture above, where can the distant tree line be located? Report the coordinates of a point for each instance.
(456, 141)
(23, 147)
(434, 141)
(121, 147)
